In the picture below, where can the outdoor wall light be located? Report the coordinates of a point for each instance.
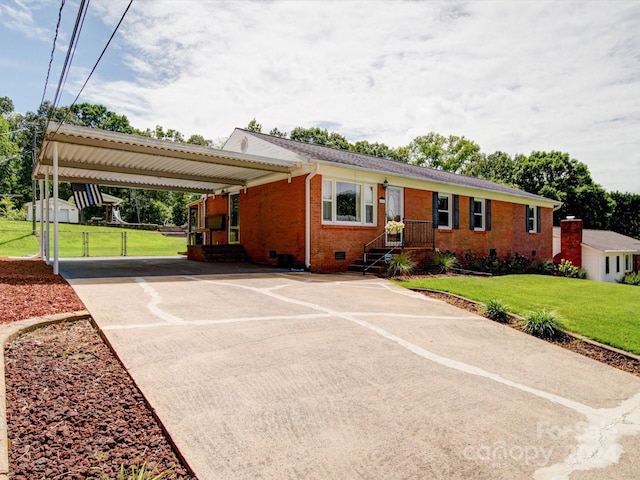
(385, 184)
(382, 200)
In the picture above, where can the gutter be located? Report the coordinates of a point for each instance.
(307, 217)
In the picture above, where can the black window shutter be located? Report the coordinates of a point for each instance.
(538, 219)
(526, 218)
(471, 213)
(456, 211)
(435, 209)
(488, 216)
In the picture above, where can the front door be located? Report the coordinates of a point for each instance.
(394, 211)
(234, 218)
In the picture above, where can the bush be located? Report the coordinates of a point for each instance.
(632, 278)
(546, 268)
(543, 324)
(496, 310)
(401, 264)
(447, 261)
(567, 269)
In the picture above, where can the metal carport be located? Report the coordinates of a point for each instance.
(87, 155)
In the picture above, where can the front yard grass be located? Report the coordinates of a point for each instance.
(606, 312)
(16, 240)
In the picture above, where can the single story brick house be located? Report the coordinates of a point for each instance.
(605, 255)
(334, 202)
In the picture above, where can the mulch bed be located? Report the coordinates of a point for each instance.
(73, 411)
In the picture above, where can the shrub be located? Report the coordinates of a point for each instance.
(632, 278)
(543, 324)
(496, 310)
(401, 264)
(546, 268)
(567, 269)
(447, 261)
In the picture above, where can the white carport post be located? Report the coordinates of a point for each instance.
(46, 216)
(41, 189)
(55, 208)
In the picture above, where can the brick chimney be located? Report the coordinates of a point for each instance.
(571, 241)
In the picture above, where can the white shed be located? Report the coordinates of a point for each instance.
(67, 212)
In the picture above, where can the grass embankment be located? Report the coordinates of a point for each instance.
(605, 312)
(16, 240)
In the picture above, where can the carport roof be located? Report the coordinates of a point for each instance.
(89, 155)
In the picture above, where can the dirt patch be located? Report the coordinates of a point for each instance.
(72, 409)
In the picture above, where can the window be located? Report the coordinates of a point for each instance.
(606, 265)
(533, 219)
(348, 202)
(368, 204)
(627, 263)
(476, 213)
(327, 200)
(444, 211)
(344, 202)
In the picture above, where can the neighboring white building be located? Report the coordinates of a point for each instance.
(67, 211)
(606, 256)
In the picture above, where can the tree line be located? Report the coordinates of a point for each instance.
(551, 174)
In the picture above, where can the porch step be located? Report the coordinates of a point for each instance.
(224, 253)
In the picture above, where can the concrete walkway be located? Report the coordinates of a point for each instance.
(274, 375)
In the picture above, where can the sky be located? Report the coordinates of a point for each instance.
(513, 76)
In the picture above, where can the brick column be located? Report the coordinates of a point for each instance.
(571, 241)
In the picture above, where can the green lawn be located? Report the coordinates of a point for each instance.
(16, 240)
(605, 312)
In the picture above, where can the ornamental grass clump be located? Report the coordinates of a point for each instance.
(401, 264)
(543, 324)
(447, 261)
(496, 310)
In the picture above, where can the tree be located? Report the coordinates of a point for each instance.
(254, 126)
(199, 140)
(557, 176)
(497, 167)
(9, 160)
(97, 116)
(277, 133)
(380, 150)
(625, 218)
(450, 153)
(6, 105)
(319, 136)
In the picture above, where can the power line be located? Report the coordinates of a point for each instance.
(103, 52)
(55, 39)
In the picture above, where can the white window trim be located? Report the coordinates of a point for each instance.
(363, 204)
(534, 217)
(483, 214)
(628, 262)
(449, 211)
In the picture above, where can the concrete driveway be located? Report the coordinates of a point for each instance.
(270, 374)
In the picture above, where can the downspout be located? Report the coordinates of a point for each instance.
(307, 217)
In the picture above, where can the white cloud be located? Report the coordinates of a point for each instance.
(18, 15)
(513, 76)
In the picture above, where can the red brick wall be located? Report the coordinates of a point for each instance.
(570, 242)
(507, 236)
(272, 218)
(326, 240)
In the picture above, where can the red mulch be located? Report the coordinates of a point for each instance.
(73, 411)
(28, 288)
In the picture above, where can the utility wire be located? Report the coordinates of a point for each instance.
(115, 30)
(55, 39)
